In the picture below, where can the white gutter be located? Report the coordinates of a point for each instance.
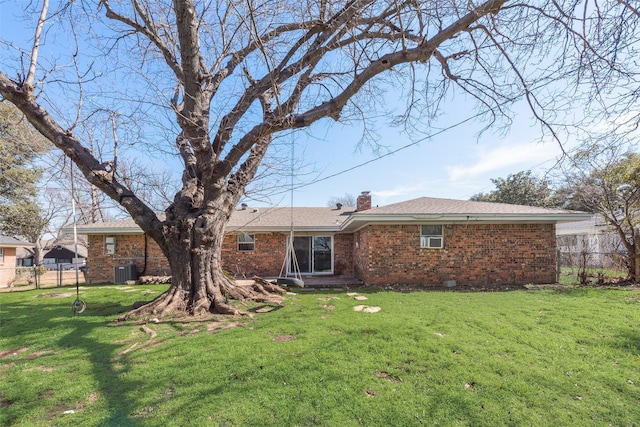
(104, 230)
(356, 221)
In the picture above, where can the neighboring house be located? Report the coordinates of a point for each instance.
(425, 241)
(8, 246)
(58, 253)
(63, 257)
(592, 242)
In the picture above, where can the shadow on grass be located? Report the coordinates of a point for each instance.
(629, 340)
(110, 381)
(22, 322)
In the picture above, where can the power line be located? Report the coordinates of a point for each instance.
(404, 147)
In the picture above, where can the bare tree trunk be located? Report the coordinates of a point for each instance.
(636, 263)
(199, 284)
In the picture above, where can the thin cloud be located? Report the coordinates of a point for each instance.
(506, 156)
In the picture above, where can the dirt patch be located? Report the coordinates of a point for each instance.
(5, 403)
(55, 294)
(329, 307)
(366, 309)
(37, 354)
(283, 338)
(328, 298)
(12, 352)
(93, 398)
(388, 377)
(41, 369)
(215, 327)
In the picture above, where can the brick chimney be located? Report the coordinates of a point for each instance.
(363, 202)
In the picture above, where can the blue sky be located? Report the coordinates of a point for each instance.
(455, 164)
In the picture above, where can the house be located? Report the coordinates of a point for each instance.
(592, 242)
(64, 257)
(8, 246)
(424, 241)
(58, 254)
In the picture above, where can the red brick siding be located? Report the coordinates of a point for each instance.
(485, 254)
(7, 267)
(361, 253)
(343, 255)
(129, 248)
(266, 260)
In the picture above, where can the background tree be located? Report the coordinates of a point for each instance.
(20, 147)
(522, 188)
(607, 181)
(217, 83)
(345, 200)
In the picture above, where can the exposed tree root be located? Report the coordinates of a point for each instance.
(213, 298)
(145, 329)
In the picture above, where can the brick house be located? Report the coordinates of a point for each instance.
(8, 246)
(425, 241)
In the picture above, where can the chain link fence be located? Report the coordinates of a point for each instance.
(593, 258)
(38, 277)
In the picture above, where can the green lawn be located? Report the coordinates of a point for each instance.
(521, 358)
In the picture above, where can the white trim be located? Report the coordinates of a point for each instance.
(311, 260)
(358, 221)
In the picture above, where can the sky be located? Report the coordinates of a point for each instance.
(454, 164)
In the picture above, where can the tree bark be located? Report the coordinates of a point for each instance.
(193, 246)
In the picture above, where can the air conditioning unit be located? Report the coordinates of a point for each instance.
(124, 273)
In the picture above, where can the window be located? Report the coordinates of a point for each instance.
(1, 255)
(431, 237)
(109, 245)
(246, 242)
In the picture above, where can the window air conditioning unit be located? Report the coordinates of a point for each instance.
(431, 242)
(124, 273)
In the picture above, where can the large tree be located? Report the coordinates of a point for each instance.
(20, 148)
(231, 76)
(522, 188)
(606, 181)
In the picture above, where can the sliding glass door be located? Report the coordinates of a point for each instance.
(314, 254)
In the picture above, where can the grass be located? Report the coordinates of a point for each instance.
(569, 275)
(547, 357)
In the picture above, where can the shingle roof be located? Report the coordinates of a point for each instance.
(250, 219)
(347, 219)
(247, 220)
(11, 242)
(432, 205)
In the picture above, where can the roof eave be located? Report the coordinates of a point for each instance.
(283, 229)
(103, 230)
(356, 222)
(17, 245)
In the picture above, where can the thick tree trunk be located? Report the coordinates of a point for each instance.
(198, 284)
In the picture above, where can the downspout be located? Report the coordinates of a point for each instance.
(144, 265)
